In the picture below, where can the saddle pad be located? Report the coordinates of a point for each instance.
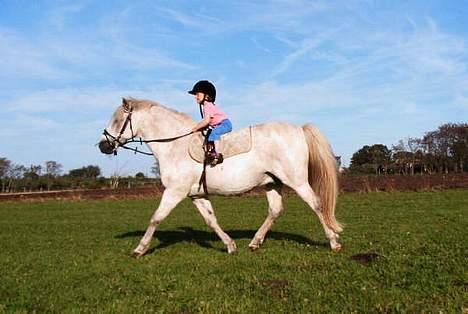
(234, 143)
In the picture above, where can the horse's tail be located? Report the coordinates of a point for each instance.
(323, 174)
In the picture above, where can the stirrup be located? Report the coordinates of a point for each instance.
(218, 159)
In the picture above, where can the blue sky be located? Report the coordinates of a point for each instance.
(364, 72)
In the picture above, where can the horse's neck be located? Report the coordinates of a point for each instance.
(160, 123)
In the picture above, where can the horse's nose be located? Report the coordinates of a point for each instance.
(105, 147)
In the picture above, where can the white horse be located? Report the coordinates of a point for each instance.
(281, 154)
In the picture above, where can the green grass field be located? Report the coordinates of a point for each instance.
(73, 256)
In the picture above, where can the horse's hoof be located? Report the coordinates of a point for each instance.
(253, 247)
(337, 248)
(231, 247)
(137, 254)
(140, 250)
(255, 244)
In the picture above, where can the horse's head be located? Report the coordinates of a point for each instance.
(119, 130)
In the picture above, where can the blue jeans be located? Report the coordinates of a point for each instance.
(224, 127)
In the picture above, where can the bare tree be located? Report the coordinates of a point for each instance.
(407, 155)
(15, 173)
(32, 175)
(53, 169)
(114, 180)
(5, 166)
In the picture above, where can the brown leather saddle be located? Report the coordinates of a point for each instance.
(233, 144)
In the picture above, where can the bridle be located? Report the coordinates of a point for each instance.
(115, 143)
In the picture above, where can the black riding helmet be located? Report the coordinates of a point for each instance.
(204, 87)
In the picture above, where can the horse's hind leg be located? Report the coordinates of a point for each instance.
(206, 210)
(169, 200)
(275, 207)
(308, 195)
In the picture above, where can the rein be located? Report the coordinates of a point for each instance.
(115, 140)
(141, 141)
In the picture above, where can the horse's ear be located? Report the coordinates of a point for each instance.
(125, 104)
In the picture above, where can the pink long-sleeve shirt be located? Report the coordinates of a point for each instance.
(215, 113)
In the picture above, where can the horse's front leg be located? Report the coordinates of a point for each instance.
(169, 200)
(206, 210)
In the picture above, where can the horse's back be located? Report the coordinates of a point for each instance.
(278, 134)
(282, 150)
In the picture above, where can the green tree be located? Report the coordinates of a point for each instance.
(88, 172)
(457, 139)
(140, 175)
(375, 158)
(448, 147)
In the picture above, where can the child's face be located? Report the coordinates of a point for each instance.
(199, 97)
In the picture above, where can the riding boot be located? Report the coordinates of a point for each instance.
(210, 152)
(218, 159)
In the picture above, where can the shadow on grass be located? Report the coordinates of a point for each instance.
(203, 238)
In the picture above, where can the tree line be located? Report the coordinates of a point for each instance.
(50, 176)
(440, 151)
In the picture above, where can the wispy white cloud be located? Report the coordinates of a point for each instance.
(58, 16)
(278, 16)
(123, 50)
(98, 100)
(139, 58)
(305, 47)
(259, 45)
(193, 21)
(17, 126)
(21, 58)
(60, 51)
(461, 101)
(64, 100)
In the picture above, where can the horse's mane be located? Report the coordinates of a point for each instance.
(140, 104)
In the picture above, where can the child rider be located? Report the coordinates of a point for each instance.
(213, 117)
